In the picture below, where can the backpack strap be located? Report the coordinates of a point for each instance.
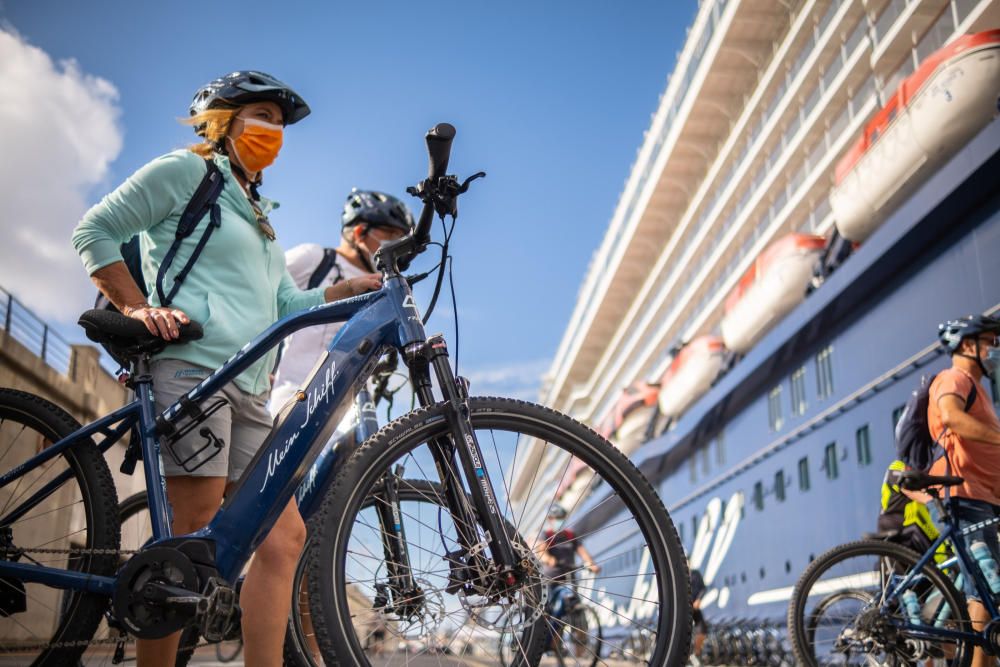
(328, 262)
(203, 201)
(969, 400)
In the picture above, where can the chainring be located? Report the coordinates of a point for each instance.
(143, 617)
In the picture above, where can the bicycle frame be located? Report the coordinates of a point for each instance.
(968, 566)
(374, 322)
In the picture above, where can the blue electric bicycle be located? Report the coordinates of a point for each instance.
(436, 583)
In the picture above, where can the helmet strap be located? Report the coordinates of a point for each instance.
(362, 253)
(977, 359)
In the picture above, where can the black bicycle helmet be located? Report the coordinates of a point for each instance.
(248, 86)
(376, 209)
(557, 511)
(953, 332)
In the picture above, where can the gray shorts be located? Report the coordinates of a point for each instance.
(242, 425)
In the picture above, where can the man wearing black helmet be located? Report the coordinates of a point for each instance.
(369, 219)
(970, 436)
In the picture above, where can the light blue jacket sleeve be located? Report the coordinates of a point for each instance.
(292, 299)
(158, 190)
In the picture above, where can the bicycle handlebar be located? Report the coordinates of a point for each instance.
(438, 140)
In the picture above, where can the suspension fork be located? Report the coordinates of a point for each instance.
(463, 442)
(397, 556)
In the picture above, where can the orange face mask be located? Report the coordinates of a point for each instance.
(258, 144)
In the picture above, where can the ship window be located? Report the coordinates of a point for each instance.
(830, 461)
(774, 417)
(758, 495)
(996, 391)
(799, 391)
(705, 462)
(824, 372)
(863, 441)
(896, 414)
(804, 473)
(693, 467)
(720, 447)
(779, 485)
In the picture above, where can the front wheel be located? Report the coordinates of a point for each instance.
(841, 612)
(535, 457)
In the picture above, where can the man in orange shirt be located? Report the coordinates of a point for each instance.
(970, 437)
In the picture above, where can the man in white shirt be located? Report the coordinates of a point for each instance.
(370, 219)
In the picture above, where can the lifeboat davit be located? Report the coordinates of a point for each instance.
(771, 287)
(934, 112)
(690, 374)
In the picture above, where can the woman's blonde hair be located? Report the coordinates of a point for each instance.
(213, 124)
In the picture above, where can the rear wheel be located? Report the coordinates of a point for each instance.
(841, 613)
(534, 457)
(75, 519)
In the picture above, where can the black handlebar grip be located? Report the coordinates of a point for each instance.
(439, 149)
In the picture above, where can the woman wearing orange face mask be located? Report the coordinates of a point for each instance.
(236, 288)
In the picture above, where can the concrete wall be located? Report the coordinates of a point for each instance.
(87, 392)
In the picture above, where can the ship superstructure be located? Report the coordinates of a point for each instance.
(727, 213)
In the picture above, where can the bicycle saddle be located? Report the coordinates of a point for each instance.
(127, 337)
(914, 480)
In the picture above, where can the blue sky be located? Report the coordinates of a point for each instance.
(551, 99)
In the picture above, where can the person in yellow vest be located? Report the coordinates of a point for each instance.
(906, 511)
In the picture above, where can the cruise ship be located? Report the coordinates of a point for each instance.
(818, 188)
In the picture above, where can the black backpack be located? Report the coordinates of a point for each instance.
(328, 262)
(914, 445)
(203, 201)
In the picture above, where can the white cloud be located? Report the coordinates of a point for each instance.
(514, 380)
(59, 129)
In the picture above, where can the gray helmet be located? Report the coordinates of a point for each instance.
(557, 511)
(248, 86)
(376, 209)
(953, 332)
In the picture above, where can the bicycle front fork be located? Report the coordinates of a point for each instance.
(462, 444)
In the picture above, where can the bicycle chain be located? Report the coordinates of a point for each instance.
(122, 639)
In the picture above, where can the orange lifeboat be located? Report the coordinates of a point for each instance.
(934, 112)
(770, 289)
(690, 374)
(625, 427)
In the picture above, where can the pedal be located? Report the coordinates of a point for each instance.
(221, 608)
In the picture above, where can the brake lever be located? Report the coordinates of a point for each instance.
(465, 184)
(443, 195)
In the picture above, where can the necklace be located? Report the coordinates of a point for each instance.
(263, 224)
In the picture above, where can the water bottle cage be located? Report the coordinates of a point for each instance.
(172, 433)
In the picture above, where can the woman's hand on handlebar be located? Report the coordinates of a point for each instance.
(353, 287)
(162, 322)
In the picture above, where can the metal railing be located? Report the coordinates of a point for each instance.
(33, 333)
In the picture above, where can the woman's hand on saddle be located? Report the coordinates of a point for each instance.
(353, 286)
(162, 322)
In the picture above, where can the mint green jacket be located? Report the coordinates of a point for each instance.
(238, 287)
